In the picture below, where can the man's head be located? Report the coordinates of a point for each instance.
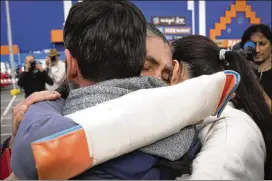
(29, 59)
(30, 63)
(158, 62)
(104, 40)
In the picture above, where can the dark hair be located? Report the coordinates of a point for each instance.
(259, 28)
(202, 57)
(107, 38)
(153, 31)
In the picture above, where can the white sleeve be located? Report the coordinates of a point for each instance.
(232, 149)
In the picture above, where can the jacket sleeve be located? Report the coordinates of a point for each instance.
(41, 120)
(232, 149)
(48, 79)
(21, 81)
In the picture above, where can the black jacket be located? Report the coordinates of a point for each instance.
(34, 81)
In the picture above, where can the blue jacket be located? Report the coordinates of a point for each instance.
(44, 119)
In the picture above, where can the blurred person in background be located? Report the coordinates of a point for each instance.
(240, 145)
(34, 77)
(261, 35)
(56, 69)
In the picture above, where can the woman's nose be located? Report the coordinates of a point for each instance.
(257, 48)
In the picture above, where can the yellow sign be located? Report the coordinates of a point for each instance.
(226, 43)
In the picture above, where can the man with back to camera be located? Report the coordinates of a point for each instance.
(34, 77)
(55, 68)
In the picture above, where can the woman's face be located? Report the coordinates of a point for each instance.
(263, 47)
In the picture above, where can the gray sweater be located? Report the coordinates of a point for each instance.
(171, 148)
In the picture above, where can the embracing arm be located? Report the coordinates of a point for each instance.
(18, 112)
(36, 125)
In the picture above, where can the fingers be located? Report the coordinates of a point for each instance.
(41, 96)
(17, 116)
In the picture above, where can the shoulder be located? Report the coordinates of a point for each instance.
(239, 121)
(237, 146)
(42, 115)
(235, 128)
(41, 120)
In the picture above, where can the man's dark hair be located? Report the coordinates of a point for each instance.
(107, 38)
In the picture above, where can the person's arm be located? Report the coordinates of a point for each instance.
(48, 79)
(18, 112)
(41, 120)
(22, 79)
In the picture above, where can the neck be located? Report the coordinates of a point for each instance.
(266, 65)
(85, 83)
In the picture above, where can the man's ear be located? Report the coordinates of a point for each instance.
(72, 66)
(175, 79)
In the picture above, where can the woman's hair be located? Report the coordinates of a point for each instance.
(201, 55)
(259, 28)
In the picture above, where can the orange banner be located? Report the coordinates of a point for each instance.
(5, 49)
(57, 36)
